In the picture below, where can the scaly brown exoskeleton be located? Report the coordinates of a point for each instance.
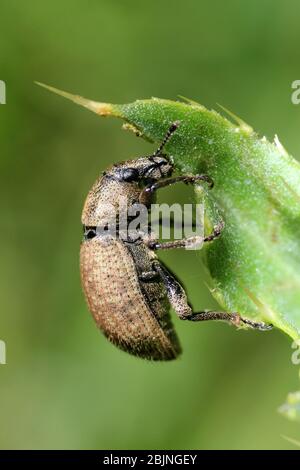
(128, 290)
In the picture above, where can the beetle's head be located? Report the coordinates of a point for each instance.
(155, 167)
(144, 169)
(147, 169)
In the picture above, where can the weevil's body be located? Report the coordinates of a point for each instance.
(129, 292)
(133, 315)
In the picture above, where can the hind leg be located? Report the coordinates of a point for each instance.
(178, 300)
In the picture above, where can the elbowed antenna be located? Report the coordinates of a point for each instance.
(174, 126)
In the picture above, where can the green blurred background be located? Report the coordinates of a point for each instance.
(64, 385)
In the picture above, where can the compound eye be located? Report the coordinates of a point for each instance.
(129, 174)
(89, 233)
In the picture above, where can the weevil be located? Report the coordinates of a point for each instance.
(128, 290)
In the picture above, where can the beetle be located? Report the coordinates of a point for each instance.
(128, 290)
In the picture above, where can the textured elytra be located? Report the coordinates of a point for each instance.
(134, 318)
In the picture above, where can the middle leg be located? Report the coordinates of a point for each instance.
(185, 242)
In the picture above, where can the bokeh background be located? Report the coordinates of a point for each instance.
(64, 385)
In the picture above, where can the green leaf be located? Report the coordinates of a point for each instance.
(255, 265)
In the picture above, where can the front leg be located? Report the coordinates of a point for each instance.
(178, 300)
(187, 179)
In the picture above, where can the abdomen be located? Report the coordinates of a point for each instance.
(134, 319)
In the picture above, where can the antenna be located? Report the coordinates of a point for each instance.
(174, 126)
